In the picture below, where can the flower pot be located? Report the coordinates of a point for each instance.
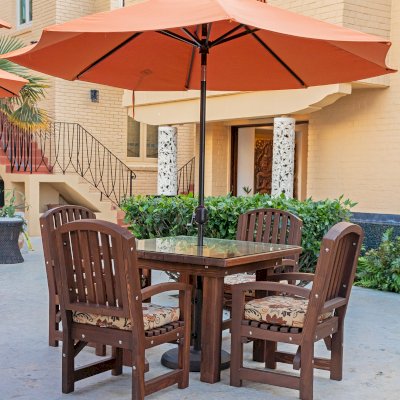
(10, 229)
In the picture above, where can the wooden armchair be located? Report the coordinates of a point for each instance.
(266, 225)
(49, 222)
(101, 302)
(299, 316)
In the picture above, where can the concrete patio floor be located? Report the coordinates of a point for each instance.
(30, 370)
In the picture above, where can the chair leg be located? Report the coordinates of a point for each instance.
(337, 356)
(184, 361)
(236, 358)
(307, 372)
(270, 350)
(100, 350)
(53, 324)
(68, 364)
(117, 354)
(138, 391)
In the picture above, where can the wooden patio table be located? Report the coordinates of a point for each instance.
(213, 261)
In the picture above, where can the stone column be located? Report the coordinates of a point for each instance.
(283, 156)
(167, 183)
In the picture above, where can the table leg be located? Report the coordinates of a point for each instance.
(211, 336)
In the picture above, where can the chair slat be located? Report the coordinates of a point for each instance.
(260, 226)
(94, 247)
(275, 227)
(87, 266)
(250, 231)
(267, 228)
(108, 270)
(283, 229)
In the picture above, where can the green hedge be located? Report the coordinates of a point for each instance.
(380, 268)
(160, 216)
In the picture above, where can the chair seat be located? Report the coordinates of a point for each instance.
(280, 310)
(154, 316)
(239, 278)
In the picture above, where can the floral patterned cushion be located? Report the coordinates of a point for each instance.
(280, 310)
(239, 278)
(154, 316)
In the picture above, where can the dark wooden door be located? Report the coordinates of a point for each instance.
(263, 166)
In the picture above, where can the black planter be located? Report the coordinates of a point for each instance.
(10, 229)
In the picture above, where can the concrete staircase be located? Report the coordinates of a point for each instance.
(26, 168)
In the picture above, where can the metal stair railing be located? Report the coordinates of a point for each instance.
(186, 177)
(66, 148)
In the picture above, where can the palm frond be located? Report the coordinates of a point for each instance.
(23, 110)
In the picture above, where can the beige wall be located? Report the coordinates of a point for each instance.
(353, 144)
(70, 101)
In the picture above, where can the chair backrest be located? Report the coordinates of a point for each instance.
(335, 270)
(97, 271)
(49, 222)
(269, 225)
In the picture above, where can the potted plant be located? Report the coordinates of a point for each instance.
(11, 226)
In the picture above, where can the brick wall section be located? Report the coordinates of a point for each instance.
(354, 145)
(216, 172)
(186, 143)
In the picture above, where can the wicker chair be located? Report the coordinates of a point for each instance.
(299, 316)
(101, 302)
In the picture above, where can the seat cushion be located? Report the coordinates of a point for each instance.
(280, 310)
(239, 278)
(154, 316)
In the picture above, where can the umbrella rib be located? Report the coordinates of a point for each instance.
(178, 37)
(193, 36)
(277, 58)
(8, 91)
(190, 70)
(237, 36)
(102, 58)
(226, 34)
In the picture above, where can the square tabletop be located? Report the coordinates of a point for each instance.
(216, 252)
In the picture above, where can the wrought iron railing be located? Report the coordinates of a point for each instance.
(66, 148)
(186, 177)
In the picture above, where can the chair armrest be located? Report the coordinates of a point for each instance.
(294, 290)
(333, 304)
(292, 276)
(152, 290)
(288, 262)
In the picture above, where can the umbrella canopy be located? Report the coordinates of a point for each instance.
(10, 84)
(4, 24)
(167, 44)
(131, 48)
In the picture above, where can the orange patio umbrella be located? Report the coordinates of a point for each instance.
(10, 84)
(240, 45)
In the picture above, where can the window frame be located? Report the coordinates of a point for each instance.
(142, 147)
(28, 13)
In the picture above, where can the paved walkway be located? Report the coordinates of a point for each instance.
(30, 370)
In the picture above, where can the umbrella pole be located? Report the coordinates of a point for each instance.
(201, 211)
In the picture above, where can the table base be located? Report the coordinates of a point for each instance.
(170, 359)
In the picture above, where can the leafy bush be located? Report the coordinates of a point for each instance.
(160, 216)
(380, 268)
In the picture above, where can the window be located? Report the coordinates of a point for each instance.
(117, 4)
(142, 141)
(24, 12)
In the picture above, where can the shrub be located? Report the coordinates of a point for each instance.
(160, 216)
(380, 268)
